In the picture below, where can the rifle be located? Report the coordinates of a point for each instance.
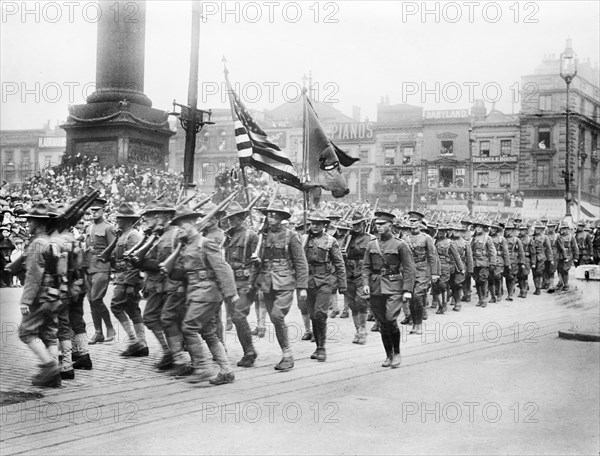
(64, 221)
(370, 222)
(254, 201)
(204, 201)
(188, 199)
(348, 236)
(167, 266)
(107, 252)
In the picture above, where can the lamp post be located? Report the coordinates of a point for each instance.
(568, 70)
(582, 157)
(471, 199)
(359, 171)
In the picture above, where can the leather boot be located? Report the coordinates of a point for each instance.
(97, 338)
(376, 327)
(356, 327)
(110, 334)
(316, 329)
(83, 362)
(48, 375)
(387, 345)
(308, 334)
(362, 329)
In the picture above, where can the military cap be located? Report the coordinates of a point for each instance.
(99, 203)
(159, 206)
(42, 211)
(357, 217)
(278, 207)
(235, 208)
(184, 214)
(125, 210)
(333, 216)
(552, 224)
(483, 223)
(342, 225)
(209, 207)
(564, 224)
(538, 225)
(510, 225)
(383, 216)
(318, 216)
(414, 215)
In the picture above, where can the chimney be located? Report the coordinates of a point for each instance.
(478, 109)
(356, 113)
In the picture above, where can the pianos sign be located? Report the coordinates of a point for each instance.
(352, 132)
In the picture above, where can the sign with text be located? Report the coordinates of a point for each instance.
(352, 132)
(497, 159)
(52, 141)
(446, 114)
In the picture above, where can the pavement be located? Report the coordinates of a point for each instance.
(481, 381)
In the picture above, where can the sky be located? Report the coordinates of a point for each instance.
(439, 55)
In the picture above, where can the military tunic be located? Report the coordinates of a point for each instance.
(127, 280)
(355, 298)
(584, 244)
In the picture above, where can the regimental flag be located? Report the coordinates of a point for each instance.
(254, 149)
(324, 157)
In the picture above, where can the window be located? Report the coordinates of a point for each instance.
(9, 155)
(446, 177)
(544, 135)
(543, 174)
(483, 179)
(505, 179)
(447, 148)
(389, 156)
(25, 156)
(546, 102)
(505, 146)
(432, 177)
(484, 148)
(364, 155)
(48, 161)
(407, 155)
(364, 183)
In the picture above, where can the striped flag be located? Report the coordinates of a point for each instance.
(254, 149)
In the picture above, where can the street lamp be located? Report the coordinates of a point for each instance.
(568, 70)
(471, 199)
(582, 157)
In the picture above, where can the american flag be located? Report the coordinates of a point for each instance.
(254, 149)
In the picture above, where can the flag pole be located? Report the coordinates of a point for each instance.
(234, 118)
(304, 154)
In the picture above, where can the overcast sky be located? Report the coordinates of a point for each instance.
(357, 51)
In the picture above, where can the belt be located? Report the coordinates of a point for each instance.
(276, 261)
(242, 273)
(320, 268)
(201, 274)
(386, 271)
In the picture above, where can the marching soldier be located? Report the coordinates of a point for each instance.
(125, 304)
(282, 270)
(326, 273)
(566, 256)
(466, 256)
(389, 277)
(450, 264)
(99, 236)
(354, 297)
(484, 260)
(584, 244)
(523, 275)
(308, 332)
(40, 301)
(427, 270)
(209, 280)
(164, 297)
(550, 269)
(596, 243)
(502, 262)
(240, 245)
(339, 233)
(516, 258)
(542, 253)
(465, 233)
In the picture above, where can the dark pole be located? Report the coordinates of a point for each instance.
(568, 158)
(190, 132)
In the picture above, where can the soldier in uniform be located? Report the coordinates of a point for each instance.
(209, 280)
(584, 244)
(596, 243)
(450, 264)
(516, 258)
(339, 233)
(427, 269)
(542, 253)
(550, 268)
(40, 301)
(566, 256)
(466, 256)
(484, 260)
(465, 233)
(326, 273)
(354, 297)
(125, 304)
(163, 295)
(282, 270)
(502, 261)
(240, 246)
(99, 236)
(389, 277)
(523, 275)
(214, 232)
